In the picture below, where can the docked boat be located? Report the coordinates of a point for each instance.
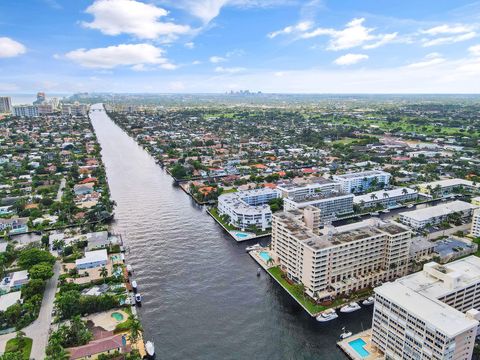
(374, 213)
(345, 334)
(134, 285)
(129, 269)
(253, 247)
(138, 298)
(353, 306)
(386, 211)
(409, 206)
(150, 348)
(327, 315)
(368, 301)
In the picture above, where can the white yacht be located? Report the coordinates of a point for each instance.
(345, 334)
(253, 247)
(138, 298)
(327, 315)
(375, 213)
(409, 206)
(353, 306)
(368, 301)
(134, 286)
(129, 269)
(150, 348)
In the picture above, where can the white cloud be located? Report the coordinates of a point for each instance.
(449, 39)
(300, 27)
(190, 45)
(384, 39)
(217, 59)
(230, 70)
(429, 60)
(135, 55)
(350, 59)
(474, 50)
(448, 29)
(114, 17)
(11, 48)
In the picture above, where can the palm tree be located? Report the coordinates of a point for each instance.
(385, 195)
(135, 328)
(373, 197)
(404, 191)
(103, 273)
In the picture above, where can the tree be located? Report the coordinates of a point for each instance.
(103, 273)
(33, 287)
(135, 328)
(12, 356)
(33, 256)
(42, 271)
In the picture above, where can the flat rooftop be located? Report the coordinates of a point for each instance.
(292, 184)
(361, 174)
(442, 209)
(442, 316)
(379, 195)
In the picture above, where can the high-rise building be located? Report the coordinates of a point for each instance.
(5, 105)
(41, 98)
(361, 181)
(338, 260)
(476, 223)
(431, 314)
(25, 110)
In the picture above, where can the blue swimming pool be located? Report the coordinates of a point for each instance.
(241, 235)
(358, 346)
(265, 256)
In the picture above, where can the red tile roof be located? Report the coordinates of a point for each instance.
(97, 347)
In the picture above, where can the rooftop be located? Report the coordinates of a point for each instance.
(361, 174)
(438, 210)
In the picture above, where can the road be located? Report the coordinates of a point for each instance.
(63, 182)
(38, 330)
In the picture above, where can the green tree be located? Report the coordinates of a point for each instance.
(103, 273)
(42, 271)
(33, 256)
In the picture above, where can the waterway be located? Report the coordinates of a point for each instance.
(202, 296)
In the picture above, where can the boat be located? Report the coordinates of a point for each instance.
(150, 348)
(386, 211)
(253, 247)
(409, 206)
(129, 269)
(258, 271)
(134, 286)
(138, 298)
(374, 213)
(368, 301)
(345, 334)
(327, 315)
(353, 306)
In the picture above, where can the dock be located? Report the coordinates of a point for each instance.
(359, 347)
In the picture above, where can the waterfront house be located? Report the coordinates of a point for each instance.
(18, 279)
(92, 259)
(107, 346)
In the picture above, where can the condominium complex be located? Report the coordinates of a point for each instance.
(386, 198)
(5, 105)
(475, 230)
(432, 215)
(331, 205)
(334, 261)
(362, 181)
(25, 111)
(248, 208)
(431, 314)
(308, 186)
(75, 109)
(447, 186)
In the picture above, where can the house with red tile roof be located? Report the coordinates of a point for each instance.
(107, 345)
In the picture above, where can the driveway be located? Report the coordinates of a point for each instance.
(38, 330)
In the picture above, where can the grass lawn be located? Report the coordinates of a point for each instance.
(232, 190)
(214, 213)
(12, 346)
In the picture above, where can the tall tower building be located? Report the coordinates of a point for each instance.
(5, 104)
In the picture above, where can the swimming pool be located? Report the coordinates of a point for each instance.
(265, 256)
(117, 316)
(241, 235)
(358, 346)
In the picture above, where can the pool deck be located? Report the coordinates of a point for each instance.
(352, 354)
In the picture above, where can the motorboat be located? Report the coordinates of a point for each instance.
(374, 213)
(138, 298)
(129, 269)
(368, 301)
(345, 334)
(353, 306)
(386, 211)
(253, 247)
(150, 348)
(409, 206)
(327, 315)
(134, 285)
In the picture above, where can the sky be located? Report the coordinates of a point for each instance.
(214, 46)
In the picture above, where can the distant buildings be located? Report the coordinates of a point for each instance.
(430, 314)
(25, 110)
(433, 215)
(248, 208)
(386, 198)
(5, 105)
(446, 187)
(311, 186)
(362, 181)
(334, 261)
(75, 109)
(476, 223)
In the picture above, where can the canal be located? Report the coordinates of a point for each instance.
(202, 298)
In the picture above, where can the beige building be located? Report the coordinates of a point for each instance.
(476, 223)
(338, 260)
(431, 314)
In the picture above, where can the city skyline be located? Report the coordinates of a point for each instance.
(284, 46)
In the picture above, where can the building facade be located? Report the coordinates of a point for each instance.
(386, 198)
(25, 111)
(361, 181)
(334, 261)
(475, 230)
(5, 105)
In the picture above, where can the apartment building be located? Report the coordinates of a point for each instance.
(75, 109)
(433, 215)
(5, 105)
(386, 198)
(338, 260)
(248, 208)
(362, 181)
(475, 230)
(447, 186)
(25, 111)
(331, 205)
(431, 314)
(305, 187)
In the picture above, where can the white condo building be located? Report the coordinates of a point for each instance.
(431, 314)
(248, 208)
(361, 181)
(300, 188)
(386, 198)
(5, 105)
(25, 111)
(476, 223)
(446, 186)
(432, 215)
(334, 261)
